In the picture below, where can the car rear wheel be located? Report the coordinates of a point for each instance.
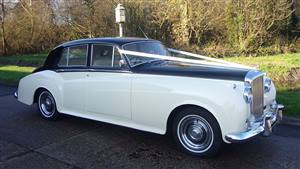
(197, 132)
(47, 105)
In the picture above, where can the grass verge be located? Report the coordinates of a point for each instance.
(278, 67)
(11, 74)
(33, 60)
(290, 98)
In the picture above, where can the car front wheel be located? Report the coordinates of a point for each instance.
(47, 105)
(197, 132)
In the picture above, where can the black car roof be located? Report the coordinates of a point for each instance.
(111, 40)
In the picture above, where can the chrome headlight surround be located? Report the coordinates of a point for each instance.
(267, 84)
(248, 96)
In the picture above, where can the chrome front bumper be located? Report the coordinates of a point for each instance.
(264, 127)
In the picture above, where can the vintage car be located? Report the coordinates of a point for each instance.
(141, 84)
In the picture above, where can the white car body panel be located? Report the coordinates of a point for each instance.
(108, 93)
(72, 87)
(141, 101)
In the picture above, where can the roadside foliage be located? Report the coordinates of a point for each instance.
(252, 29)
(217, 28)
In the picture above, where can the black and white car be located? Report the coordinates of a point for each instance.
(139, 83)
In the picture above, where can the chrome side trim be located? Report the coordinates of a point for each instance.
(92, 70)
(265, 127)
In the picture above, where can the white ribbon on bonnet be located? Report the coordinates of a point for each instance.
(206, 60)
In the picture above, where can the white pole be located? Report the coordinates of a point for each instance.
(121, 29)
(120, 17)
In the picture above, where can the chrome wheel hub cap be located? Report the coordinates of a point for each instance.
(195, 133)
(46, 104)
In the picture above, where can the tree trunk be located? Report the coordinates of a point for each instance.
(32, 24)
(296, 7)
(4, 47)
(184, 22)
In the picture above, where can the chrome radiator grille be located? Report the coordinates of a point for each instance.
(257, 105)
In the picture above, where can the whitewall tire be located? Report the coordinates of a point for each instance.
(47, 105)
(197, 132)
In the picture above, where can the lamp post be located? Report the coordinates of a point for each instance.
(120, 17)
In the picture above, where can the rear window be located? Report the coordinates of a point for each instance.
(74, 56)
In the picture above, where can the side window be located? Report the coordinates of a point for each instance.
(74, 56)
(105, 56)
(77, 55)
(64, 58)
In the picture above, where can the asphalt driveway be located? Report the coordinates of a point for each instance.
(28, 141)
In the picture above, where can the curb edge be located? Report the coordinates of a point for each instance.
(292, 121)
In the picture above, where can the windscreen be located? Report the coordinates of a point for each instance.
(144, 47)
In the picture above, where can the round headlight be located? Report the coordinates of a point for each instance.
(248, 93)
(267, 84)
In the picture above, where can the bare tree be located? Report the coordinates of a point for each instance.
(27, 6)
(213, 26)
(254, 23)
(90, 4)
(4, 46)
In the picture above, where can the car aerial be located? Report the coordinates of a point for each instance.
(141, 84)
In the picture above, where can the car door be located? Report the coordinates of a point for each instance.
(108, 84)
(72, 70)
